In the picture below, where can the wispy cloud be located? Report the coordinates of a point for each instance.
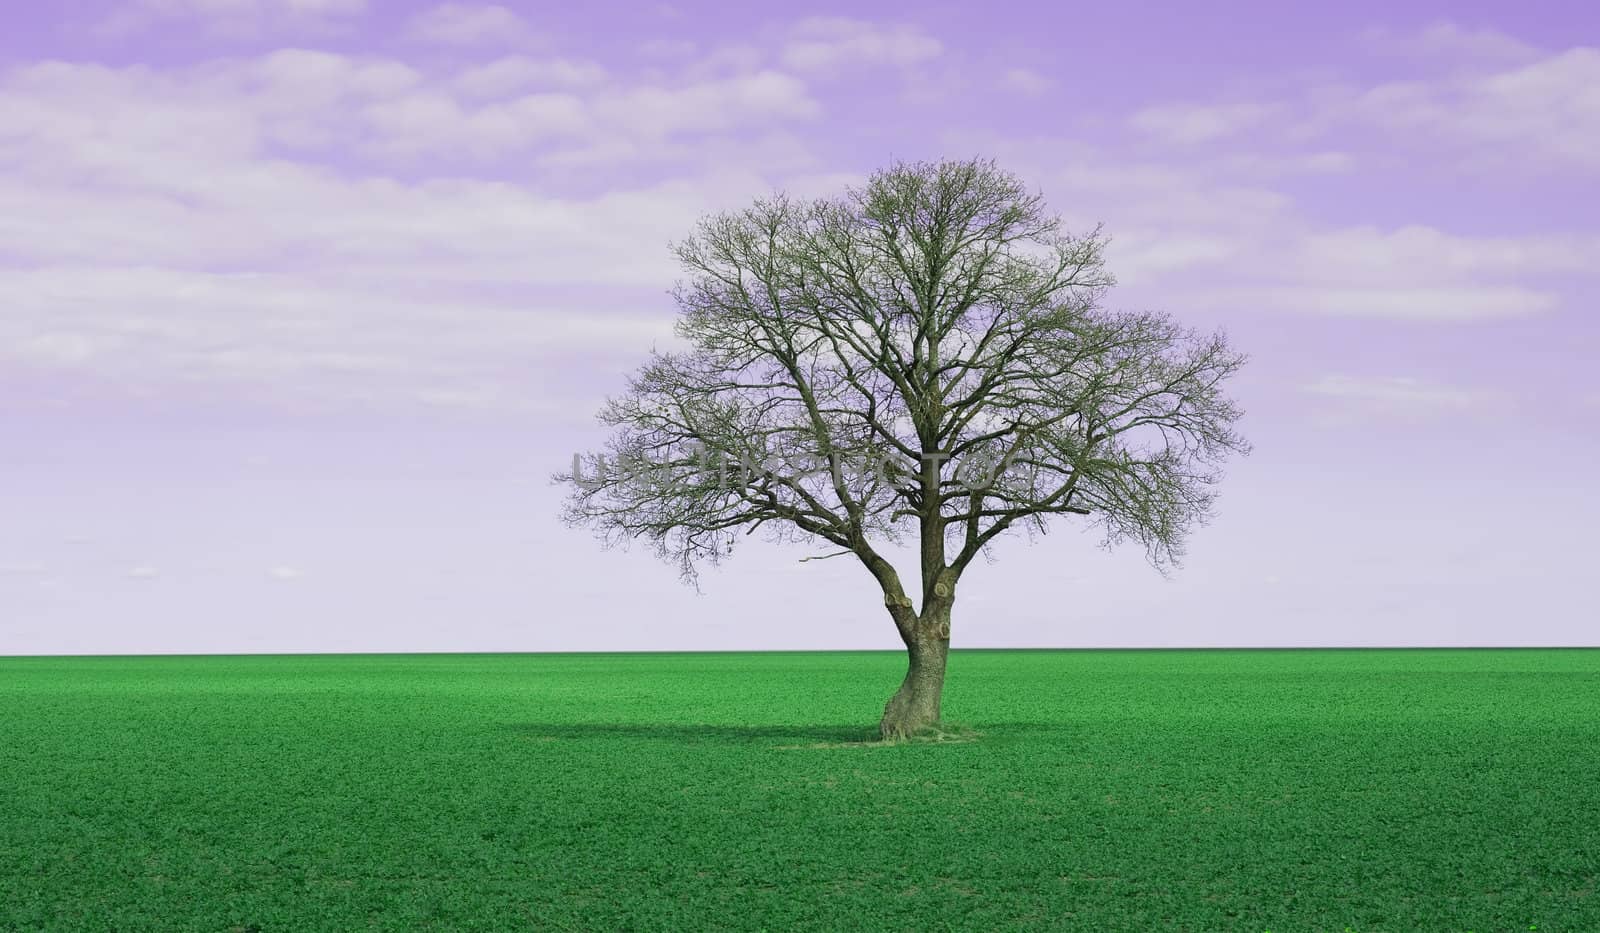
(1516, 106)
(1197, 123)
(1453, 42)
(1407, 395)
(1221, 233)
(205, 240)
(830, 44)
(469, 24)
(517, 73)
(1395, 301)
(1026, 81)
(1543, 113)
(237, 19)
(396, 221)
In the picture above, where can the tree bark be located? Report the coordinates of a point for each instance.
(915, 705)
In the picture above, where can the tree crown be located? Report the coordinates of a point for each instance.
(929, 350)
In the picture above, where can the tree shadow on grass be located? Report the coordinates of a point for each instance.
(787, 735)
(692, 732)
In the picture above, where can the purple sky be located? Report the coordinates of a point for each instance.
(305, 299)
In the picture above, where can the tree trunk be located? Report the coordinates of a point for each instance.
(915, 705)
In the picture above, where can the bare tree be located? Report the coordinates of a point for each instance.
(926, 353)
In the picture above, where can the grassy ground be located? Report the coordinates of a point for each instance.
(1283, 791)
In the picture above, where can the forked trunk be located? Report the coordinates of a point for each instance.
(915, 706)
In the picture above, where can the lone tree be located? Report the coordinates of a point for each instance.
(927, 352)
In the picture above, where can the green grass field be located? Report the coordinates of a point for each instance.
(1205, 790)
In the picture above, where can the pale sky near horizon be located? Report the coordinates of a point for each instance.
(306, 299)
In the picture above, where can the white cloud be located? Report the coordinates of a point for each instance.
(1418, 252)
(155, 232)
(826, 44)
(284, 574)
(1425, 303)
(383, 288)
(164, 201)
(1452, 41)
(144, 573)
(1407, 395)
(318, 103)
(669, 49)
(434, 122)
(1417, 273)
(294, 79)
(1516, 108)
(735, 58)
(1189, 232)
(238, 19)
(709, 106)
(1026, 81)
(1547, 111)
(175, 224)
(1131, 195)
(1187, 124)
(1137, 255)
(468, 24)
(195, 323)
(519, 73)
(1262, 166)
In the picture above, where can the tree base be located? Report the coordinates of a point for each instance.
(907, 715)
(914, 707)
(942, 733)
